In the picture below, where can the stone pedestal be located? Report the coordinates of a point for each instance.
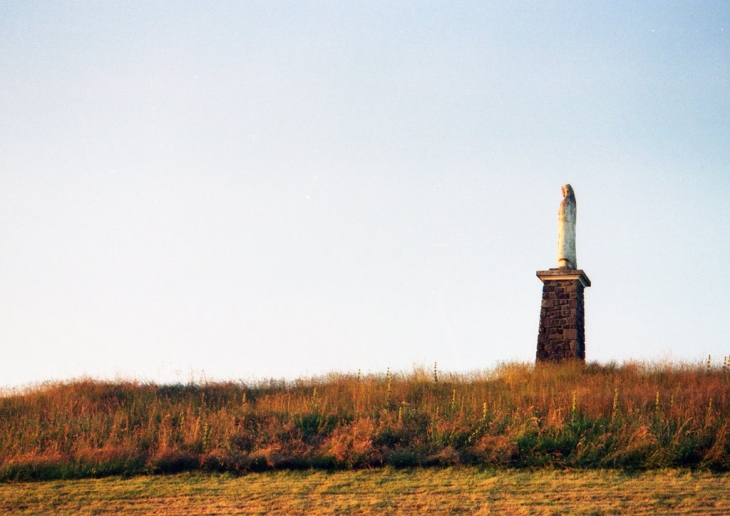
(562, 316)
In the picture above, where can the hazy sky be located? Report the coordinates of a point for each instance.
(244, 190)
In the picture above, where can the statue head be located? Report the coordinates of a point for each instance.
(568, 192)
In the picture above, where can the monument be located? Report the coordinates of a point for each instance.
(561, 334)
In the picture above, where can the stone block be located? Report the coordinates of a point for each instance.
(561, 334)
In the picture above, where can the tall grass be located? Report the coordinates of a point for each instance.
(634, 415)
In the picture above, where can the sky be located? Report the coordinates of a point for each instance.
(205, 191)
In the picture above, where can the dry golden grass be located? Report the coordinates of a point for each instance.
(633, 416)
(384, 491)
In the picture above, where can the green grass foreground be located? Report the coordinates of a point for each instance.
(459, 490)
(633, 416)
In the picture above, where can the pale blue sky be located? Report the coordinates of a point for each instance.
(243, 190)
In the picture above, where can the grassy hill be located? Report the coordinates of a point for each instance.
(635, 416)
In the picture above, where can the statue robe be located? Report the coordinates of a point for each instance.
(566, 230)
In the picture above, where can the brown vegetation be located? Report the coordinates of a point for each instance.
(630, 416)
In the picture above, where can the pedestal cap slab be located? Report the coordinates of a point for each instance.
(564, 274)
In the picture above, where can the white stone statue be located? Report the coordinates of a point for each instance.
(566, 230)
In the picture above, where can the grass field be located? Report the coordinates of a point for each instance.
(518, 439)
(632, 417)
(384, 491)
